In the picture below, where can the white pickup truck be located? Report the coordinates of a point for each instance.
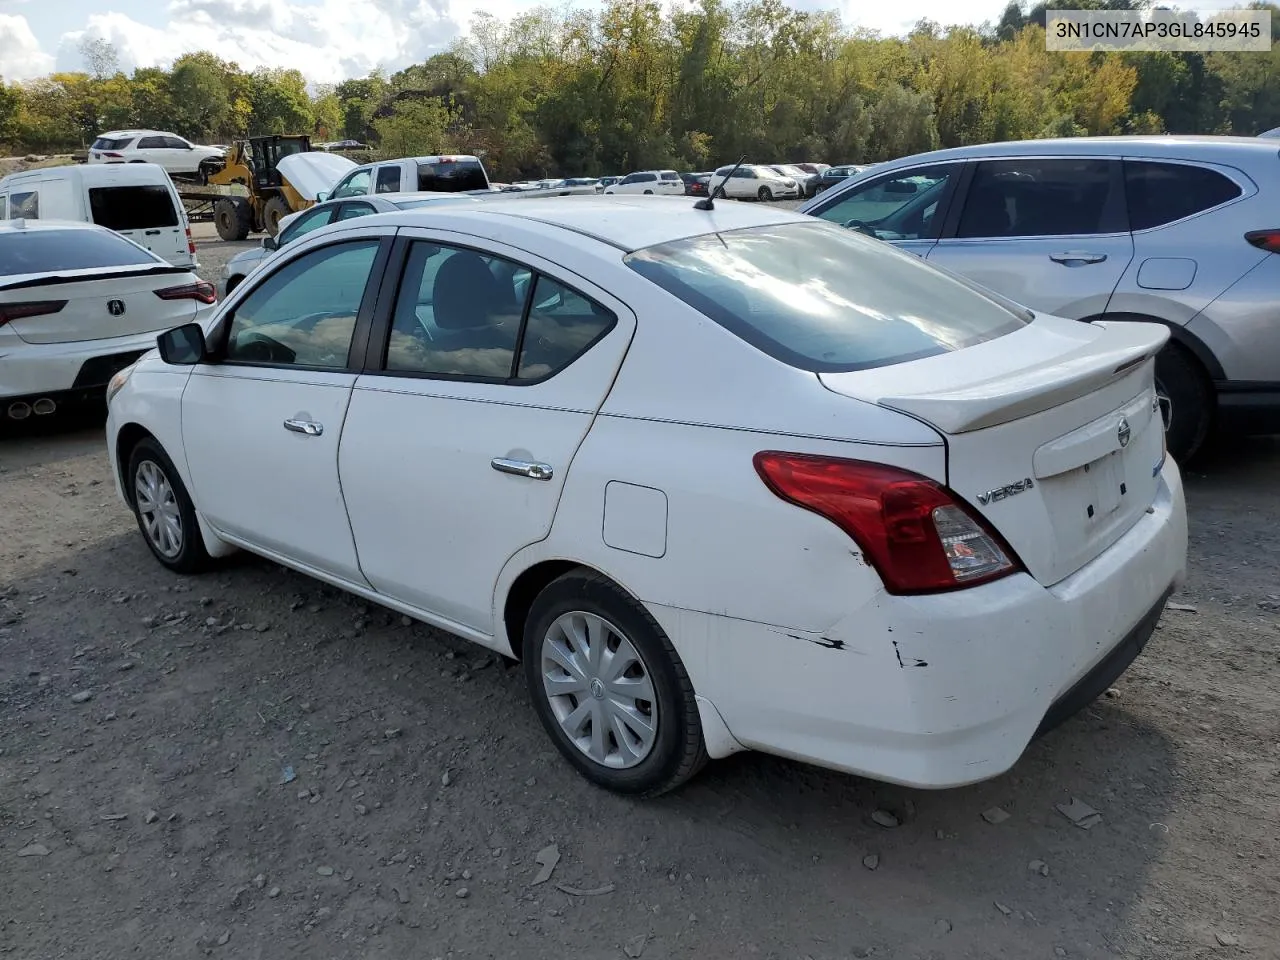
(444, 174)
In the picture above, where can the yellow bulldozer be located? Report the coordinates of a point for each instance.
(254, 163)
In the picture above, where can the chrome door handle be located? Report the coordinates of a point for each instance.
(522, 468)
(1077, 256)
(309, 427)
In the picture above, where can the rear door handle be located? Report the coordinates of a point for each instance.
(308, 427)
(522, 468)
(153, 233)
(1077, 256)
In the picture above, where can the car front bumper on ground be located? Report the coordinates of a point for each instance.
(77, 370)
(947, 689)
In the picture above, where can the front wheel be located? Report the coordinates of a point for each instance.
(765, 195)
(610, 688)
(166, 515)
(1186, 401)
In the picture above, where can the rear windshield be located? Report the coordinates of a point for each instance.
(52, 251)
(106, 143)
(133, 208)
(452, 176)
(825, 299)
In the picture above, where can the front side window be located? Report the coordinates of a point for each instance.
(457, 314)
(1160, 193)
(1041, 198)
(176, 143)
(151, 143)
(902, 206)
(388, 180)
(311, 220)
(24, 206)
(824, 299)
(304, 314)
(133, 208)
(356, 185)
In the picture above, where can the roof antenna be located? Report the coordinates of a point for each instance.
(710, 203)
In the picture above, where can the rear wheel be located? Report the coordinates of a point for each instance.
(765, 195)
(166, 515)
(1186, 401)
(610, 688)
(276, 209)
(233, 217)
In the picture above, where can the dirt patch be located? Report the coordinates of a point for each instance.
(10, 165)
(249, 764)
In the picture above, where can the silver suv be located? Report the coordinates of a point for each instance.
(1182, 231)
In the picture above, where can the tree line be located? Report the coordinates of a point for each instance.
(634, 86)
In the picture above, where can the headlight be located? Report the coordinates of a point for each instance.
(118, 381)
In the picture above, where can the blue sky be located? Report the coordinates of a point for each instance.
(330, 40)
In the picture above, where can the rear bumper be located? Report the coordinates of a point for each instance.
(34, 370)
(943, 690)
(1249, 407)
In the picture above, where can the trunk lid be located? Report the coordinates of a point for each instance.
(100, 304)
(1053, 432)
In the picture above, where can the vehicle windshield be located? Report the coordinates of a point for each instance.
(824, 299)
(52, 251)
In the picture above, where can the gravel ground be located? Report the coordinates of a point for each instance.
(249, 764)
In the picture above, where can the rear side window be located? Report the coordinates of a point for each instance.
(388, 180)
(670, 175)
(1041, 198)
(562, 325)
(152, 143)
(824, 299)
(4, 207)
(108, 143)
(24, 206)
(48, 251)
(1160, 193)
(452, 176)
(133, 208)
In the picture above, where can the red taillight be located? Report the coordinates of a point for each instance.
(201, 290)
(34, 308)
(114, 156)
(191, 243)
(1268, 240)
(915, 532)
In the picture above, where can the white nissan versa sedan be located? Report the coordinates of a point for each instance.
(722, 479)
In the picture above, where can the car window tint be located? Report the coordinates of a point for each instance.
(350, 211)
(669, 175)
(452, 176)
(305, 313)
(356, 185)
(48, 251)
(903, 206)
(24, 206)
(4, 206)
(151, 143)
(457, 314)
(133, 208)
(1160, 193)
(824, 299)
(1040, 198)
(173, 143)
(306, 222)
(562, 325)
(388, 180)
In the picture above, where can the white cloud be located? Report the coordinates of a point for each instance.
(328, 41)
(23, 58)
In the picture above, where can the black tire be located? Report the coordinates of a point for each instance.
(648, 193)
(678, 751)
(233, 217)
(232, 283)
(720, 194)
(764, 195)
(276, 209)
(1191, 404)
(192, 556)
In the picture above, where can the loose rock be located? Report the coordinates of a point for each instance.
(83, 696)
(444, 780)
(1080, 813)
(1001, 907)
(1228, 939)
(635, 946)
(885, 819)
(547, 858)
(1181, 607)
(260, 881)
(151, 816)
(34, 850)
(995, 815)
(325, 871)
(871, 861)
(273, 892)
(462, 893)
(1039, 866)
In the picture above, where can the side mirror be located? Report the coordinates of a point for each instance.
(270, 243)
(322, 196)
(182, 346)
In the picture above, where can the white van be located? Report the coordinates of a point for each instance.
(137, 200)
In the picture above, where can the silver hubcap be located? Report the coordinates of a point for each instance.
(158, 507)
(599, 690)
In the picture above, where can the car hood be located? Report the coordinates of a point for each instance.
(245, 260)
(313, 173)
